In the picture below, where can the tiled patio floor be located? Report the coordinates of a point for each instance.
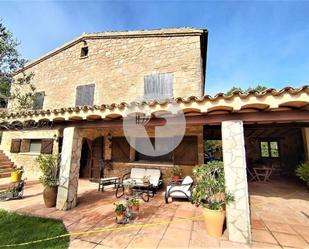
(280, 213)
(276, 221)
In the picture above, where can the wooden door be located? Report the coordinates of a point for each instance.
(97, 158)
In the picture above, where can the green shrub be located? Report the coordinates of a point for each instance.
(302, 171)
(48, 165)
(209, 190)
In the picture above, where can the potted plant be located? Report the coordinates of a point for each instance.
(128, 188)
(302, 171)
(133, 204)
(48, 165)
(209, 192)
(120, 211)
(146, 180)
(176, 173)
(16, 174)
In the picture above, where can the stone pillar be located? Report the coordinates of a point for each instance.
(305, 132)
(69, 169)
(234, 158)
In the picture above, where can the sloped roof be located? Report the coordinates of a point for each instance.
(287, 98)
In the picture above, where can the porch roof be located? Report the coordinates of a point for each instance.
(270, 100)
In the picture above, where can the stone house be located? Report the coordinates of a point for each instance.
(87, 86)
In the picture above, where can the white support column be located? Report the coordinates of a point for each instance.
(306, 143)
(69, 169)
(234, 158)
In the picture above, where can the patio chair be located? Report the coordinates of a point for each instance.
(180, 190)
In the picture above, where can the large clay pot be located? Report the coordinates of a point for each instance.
(50, 196)
(214, 220)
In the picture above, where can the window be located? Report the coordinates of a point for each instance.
(120, 149)
(84, 95)
(84, 52)
(38, 100)
(35, 146)
(27, 145)
(158, 86)
(163, 150)
(269, 149)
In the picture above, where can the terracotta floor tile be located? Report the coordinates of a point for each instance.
(303, 230)
(290, 240)
(229, 244)
(263, 236)
(145, 241)
(257, 245)
(258, 224)
(79, 244)
(279, 227)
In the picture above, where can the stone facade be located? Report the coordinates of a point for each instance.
(119, 169)
(117, 66)
(27, 160)
(234, 158)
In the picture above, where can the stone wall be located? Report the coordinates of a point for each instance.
(27, 160)
(117, 68)
(118, 169)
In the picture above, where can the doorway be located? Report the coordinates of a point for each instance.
(91, 162)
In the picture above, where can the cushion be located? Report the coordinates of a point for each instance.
(137, 173)
(154, 176)
(187, 180)
(179, 194)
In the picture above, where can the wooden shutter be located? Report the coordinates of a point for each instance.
(84, 95)
(47, 146)
(120, 149)
(15, 145)
(186, 152)
(38, 100)
(158, 86)
(25, 145)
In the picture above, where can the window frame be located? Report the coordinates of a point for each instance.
(269, 141)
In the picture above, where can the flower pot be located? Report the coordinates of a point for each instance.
(214, 220)
(176, 178)
(120, 217)
(128, 191)
(134, 208)
(16, 176)
(50, 196)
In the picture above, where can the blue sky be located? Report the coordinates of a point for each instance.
(250, 42)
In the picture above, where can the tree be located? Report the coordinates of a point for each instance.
(258, 88)
(10, 61)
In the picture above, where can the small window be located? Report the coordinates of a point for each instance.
(269, 149)
(84, 52)
(84, 95)
(38, 100)
(35, 146)
(158, 86)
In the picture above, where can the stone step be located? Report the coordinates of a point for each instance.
(5, 174)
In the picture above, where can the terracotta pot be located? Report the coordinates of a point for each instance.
(214, 220)
(176, 178)
(120, 217)
(16, 176)
(128, 191)
(50, 196)
(134, 208)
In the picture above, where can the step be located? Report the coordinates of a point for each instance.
(6, 163)
(2, 170)
(5, 174)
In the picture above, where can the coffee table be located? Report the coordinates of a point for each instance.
(144, 191)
